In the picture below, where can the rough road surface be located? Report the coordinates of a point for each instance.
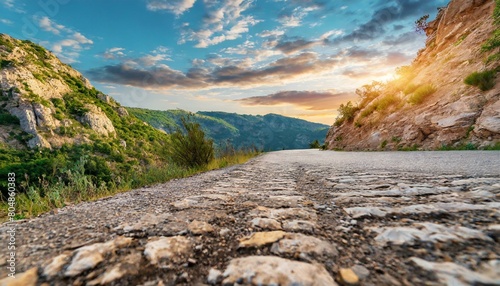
(285, 218)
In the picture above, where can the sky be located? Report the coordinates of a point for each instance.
(298, 58)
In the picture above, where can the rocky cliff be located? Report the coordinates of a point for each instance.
(42, 93)
(449, 97)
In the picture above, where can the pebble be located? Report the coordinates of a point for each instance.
(360, 271)
(348, 277)
(214, 276)
(266, 223)
(261, 238)
(197, 227)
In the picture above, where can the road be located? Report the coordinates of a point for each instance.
(301, 217)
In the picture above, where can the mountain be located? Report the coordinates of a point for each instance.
(449, 97)
(268, 132)
(52, 118)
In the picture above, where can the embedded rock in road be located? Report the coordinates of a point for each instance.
(271, 270)
(261, 238)
(171, 249)
(297, 244)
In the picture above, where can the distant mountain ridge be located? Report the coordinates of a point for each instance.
(267, 132)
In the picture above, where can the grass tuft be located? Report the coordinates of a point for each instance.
(421, 93)
(483, 80)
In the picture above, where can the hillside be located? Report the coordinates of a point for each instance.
(448, 98)
(268, 132)
(53, 121)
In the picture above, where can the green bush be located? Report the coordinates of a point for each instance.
(191, 148)
(314, 145)
(5, 63)
(421, 93)
(484, 80)
(7, 118)
(410, 88)
(386, 101)
(346, 113)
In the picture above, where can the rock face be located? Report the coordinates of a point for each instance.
(97, 121)
(42, 93)
(455, 114)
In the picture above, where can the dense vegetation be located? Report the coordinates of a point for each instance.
(268, 132)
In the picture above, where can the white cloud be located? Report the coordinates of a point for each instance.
(68, 49)
(175, 6)
(50, 26)
(151, 60)
(272, 33)
(6, 22)
(113, 53)
(12, 5)
(223, 22)
(295, 18)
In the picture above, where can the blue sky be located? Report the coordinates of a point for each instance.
(299, 58)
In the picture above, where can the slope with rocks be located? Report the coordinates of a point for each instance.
(268, 132)
(429, 106)
(51, 117)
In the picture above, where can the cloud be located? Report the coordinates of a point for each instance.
(405, 38)
(311, 100)
(289, 47)
(227, 73)
(177, 7)
(69, 48)
(298, 44)
(14, 6)
(222, 22)
(6, 22)
(113, 53)
(375, 27)
(397, 58)
(271, 33)
(50, 26)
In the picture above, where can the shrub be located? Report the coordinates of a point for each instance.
(484, 80)
(386, 101)
(410, 88)
(421, 93)
(191, 148)
(346, 113)
(314, 145)
(421, 24)
(368, 110)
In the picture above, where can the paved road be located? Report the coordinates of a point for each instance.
(435, 162)
(300, 217)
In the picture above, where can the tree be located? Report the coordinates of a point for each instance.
(314, 144)
(190, 148)
(421, 24)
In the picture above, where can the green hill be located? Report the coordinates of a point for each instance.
(269, 132)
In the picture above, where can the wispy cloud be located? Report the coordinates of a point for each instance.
(14, 5)
(114, 53)
(221, 23)
(310, 100)
(72, 43)
(50, 26)
(177, 7)
(6, 22)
